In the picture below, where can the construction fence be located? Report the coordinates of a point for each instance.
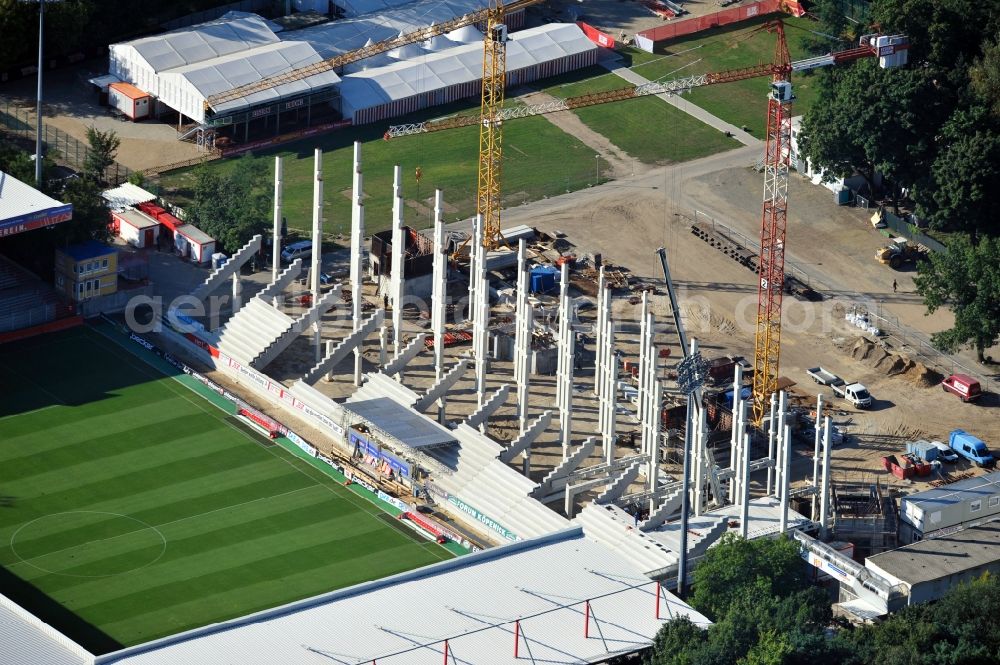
(647, 39)
(20, 124)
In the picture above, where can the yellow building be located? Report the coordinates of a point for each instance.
(87, 270)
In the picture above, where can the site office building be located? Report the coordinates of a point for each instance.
(87, 270)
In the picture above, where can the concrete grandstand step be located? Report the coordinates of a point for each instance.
(225, 271)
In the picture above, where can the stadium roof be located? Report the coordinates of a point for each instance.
(949, 555)
(457, 65)
(401, 422)
(22, 207)
(471, 601)
(26, 640)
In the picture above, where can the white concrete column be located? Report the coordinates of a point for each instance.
(237, 292)
(745, 484)
(396, 281)
(698, 459)
(567, 348)
(736, 437)
(826, 497)
(654, 445)
(439, 294)
(383, 343)
(816, 454)
(524, 385)
(786, 460)
(329, 350)
(771, 432)
(608, 379)
(276, 228)
(317, 243)
(357, 254)
(781, 444)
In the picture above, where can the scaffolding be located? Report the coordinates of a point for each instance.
(866, 516)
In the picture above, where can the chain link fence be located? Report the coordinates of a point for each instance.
(20, 124)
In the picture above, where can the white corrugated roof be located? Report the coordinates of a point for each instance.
(18, 199)
(460, 64)
(230, 71)
(405, 618)
(203, 42)
(26, 640)
(126, 195)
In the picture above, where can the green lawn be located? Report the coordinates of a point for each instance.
(647, 128)
(539, 160)
(132, 508)
(742, 102)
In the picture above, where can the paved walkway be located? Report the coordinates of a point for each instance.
(615, 66)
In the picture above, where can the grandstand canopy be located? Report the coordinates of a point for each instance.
(23, 208)
(403, 423)
(472, 601)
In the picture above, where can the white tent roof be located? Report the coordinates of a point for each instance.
(467, 34)
(230, 71)
(337, 37)
(203, 42)
(472, 601)
(407, 52)
(457, 65)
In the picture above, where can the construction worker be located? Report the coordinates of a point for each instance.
(894, 286)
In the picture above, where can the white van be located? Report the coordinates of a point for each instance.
(297, 250)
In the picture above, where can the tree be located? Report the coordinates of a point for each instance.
(231, 207)
(832, 24)
(736, 567)
(102, 153)
(965, 278)
(90, 213)
(137, 178)
(771, 649)
(985, 75)
(960, 195)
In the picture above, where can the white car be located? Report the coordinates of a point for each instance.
(945, 454)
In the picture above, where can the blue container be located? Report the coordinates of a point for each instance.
(543, 279)
(744, 394)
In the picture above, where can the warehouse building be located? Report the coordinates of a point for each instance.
(455, 73)
(928, 569)
(939, 510)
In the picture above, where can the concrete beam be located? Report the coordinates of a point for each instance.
(326, 303)
(620, 485)
(669, 506)
(443, 385)
(481, 415)
(346, 345)
(404, 355)
(277, 285)
(560, 476)
(527, 437)
(224, 272)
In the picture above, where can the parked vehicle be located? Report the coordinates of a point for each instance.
(855, 393)
(297, 250)
(824, 377)
(945, 454)
(971, 448)
(962, 385)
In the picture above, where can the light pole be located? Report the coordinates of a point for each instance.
(38, 109)
(597, 163)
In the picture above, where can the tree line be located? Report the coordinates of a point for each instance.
(931, 129)
(765, 612)
(76, 25)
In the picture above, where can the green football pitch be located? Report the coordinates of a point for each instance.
(132, 508)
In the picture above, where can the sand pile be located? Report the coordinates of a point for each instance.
(893, 364)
